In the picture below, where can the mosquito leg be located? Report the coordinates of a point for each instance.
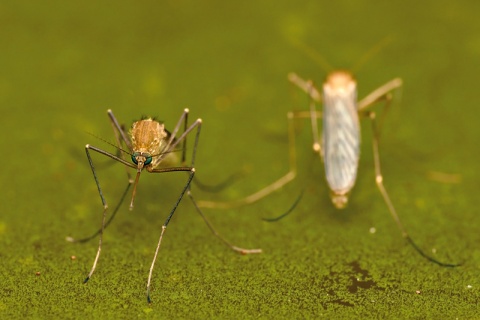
(209, 225)
(219, 186)
(289, 176)
(105, 208)
(121, 136)
(286, 213)
(114, 213)
(386, 198)
(203, 186)
(314, 115)
(184, 145)
(111, 156)
(197, 124)
(104, 203)
(384, 93)
(216, 234)
(379, 94)
(172, 142)
(172, 146)
(306, 86)
(164, 227)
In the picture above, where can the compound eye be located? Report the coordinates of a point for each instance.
(134, 157)
(148, 160)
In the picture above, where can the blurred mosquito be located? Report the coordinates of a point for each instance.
(150, 146)
(339, 147)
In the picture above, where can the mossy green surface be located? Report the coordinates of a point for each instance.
(63, 64)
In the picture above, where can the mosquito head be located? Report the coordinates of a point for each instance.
(141, 159)
(339, 200)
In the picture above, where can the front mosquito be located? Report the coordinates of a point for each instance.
(150, 146)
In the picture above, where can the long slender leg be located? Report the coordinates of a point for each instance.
(171, 146)
(114, 213)
(383, 191)
(210, 226)
(164, 227)
(213, 188)
(383, 93)
(313, 114)
(196, 181)
(379, 94)
(315, 97)
(119, 133)
(289, 176)
(286, 213)
(305, 85)
(120, 136)
(184, 147)
(197, 124)
(112, 156)
(173, 142)
(104, 203)
(215, 233)
(105, 208)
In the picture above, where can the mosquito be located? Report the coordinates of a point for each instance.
(339, 145)
(152, 147)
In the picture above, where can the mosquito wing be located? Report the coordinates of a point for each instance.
(341, 135)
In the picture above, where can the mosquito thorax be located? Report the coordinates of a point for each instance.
(148, 137)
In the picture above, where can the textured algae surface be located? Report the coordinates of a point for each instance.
(63, 65)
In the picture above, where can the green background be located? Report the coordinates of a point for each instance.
(63, 64)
